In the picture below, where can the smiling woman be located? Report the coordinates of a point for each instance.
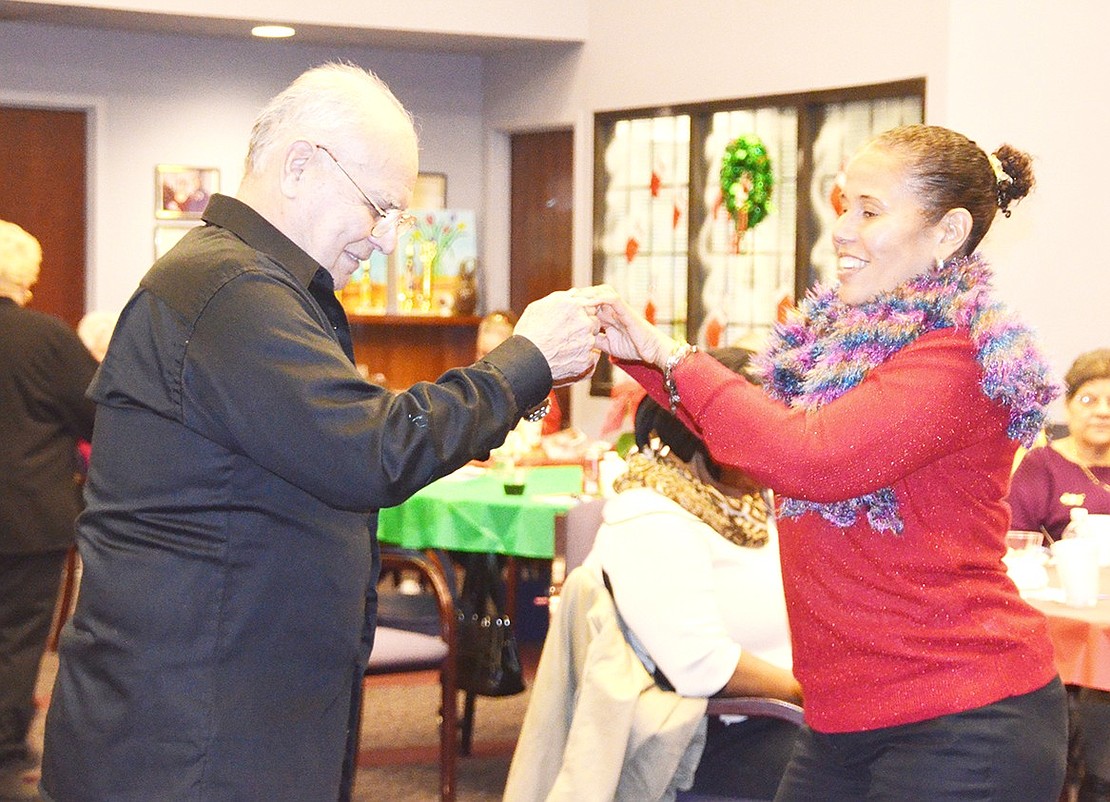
(900, 215)
(891, 409)
(880, 239)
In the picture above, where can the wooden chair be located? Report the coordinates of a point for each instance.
(66, 596)
(398, 651)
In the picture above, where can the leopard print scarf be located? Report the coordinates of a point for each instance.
(742, 520)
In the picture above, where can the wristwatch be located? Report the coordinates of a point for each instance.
(539, 411)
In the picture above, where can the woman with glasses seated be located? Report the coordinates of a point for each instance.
(1051, 481)
(1073, 471)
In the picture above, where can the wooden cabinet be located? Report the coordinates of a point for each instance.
(406, 349)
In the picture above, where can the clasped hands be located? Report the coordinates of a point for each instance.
(573, 327)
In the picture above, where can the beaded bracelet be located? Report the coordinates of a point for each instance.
(677, 355)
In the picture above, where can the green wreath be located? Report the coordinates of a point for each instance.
(746, 156)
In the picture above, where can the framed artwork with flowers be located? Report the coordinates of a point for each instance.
(432, 270)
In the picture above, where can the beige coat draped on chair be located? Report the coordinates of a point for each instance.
(597, 726)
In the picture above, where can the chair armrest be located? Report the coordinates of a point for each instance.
(755, 706)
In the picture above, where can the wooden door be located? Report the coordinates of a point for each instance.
(43, 189)
(541, 221)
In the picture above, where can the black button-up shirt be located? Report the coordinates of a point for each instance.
(228, 547)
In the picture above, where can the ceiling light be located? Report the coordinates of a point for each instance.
(272, 31)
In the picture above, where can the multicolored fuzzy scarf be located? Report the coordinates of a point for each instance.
(828, 347)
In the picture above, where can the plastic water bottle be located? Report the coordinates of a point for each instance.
(1076, 527)
(1092, 527)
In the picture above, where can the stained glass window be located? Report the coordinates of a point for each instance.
(643, 236)
(663, 236)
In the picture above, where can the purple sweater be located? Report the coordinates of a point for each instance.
(1047, 485)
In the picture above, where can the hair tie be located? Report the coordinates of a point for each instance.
(1002, 180)
(1000, 174)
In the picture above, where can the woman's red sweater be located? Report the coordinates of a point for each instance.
(887, 628)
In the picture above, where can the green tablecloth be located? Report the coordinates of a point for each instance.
(470, 511)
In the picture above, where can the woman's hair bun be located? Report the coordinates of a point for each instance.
(1016, 178)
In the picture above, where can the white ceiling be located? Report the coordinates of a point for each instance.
(348, 35)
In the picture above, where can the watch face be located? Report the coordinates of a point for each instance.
(539, 412)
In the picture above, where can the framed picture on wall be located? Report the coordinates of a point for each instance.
(182, 192)
(430, 191)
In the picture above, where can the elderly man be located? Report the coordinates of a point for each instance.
(227, 601)
(44, 372)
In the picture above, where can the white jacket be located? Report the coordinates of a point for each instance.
(597, 726)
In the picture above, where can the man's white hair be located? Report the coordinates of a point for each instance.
(20, 257)
(332, 98)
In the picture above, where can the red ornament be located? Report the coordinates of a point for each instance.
(656, 183)
(785, 305)
(649, 312)
(836, 196)
(713, 330)
(677, 215)
(631, 249)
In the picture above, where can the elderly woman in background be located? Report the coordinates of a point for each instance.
(44, 372)
(1073, 471)
(1051, 481)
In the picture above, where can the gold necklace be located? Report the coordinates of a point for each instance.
(1091, 475)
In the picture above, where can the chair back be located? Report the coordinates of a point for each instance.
(419, 612)
(575, 532)
(422, 645)
(583, 521)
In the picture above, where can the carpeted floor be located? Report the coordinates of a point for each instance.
(399, 761)
(400, 738)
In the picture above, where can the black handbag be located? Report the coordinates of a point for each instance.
(488, 660)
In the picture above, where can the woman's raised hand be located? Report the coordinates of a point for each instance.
(626, 334)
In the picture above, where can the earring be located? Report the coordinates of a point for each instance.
(940, 263)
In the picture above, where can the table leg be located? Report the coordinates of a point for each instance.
(512, 582)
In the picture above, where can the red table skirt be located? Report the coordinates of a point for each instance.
(1081, 638)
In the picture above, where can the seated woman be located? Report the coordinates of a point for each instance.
(1073, 471)
(1050, 481)
(690, 553)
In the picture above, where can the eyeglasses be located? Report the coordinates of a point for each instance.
(397, 220)
(1088, 401)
